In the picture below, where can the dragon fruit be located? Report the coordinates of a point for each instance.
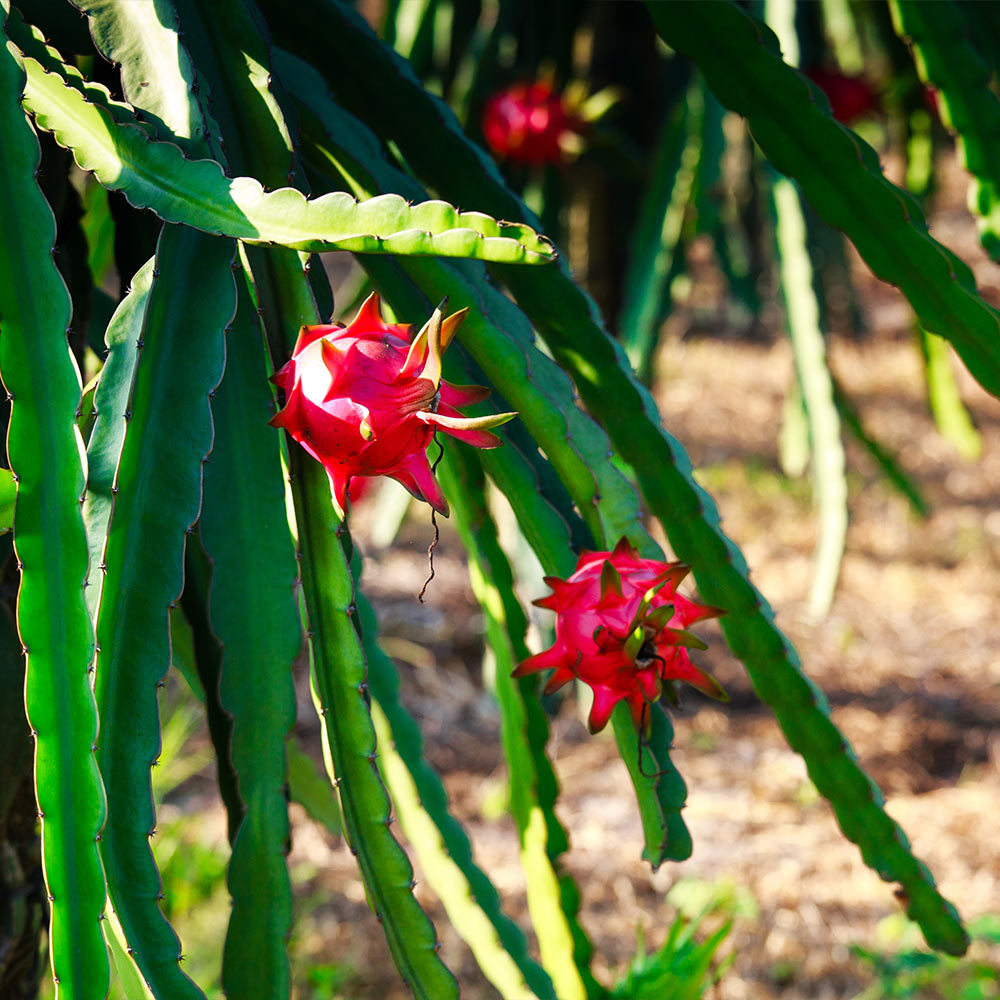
(850, 96)
(621, 628)
(530, 123)
(366, 399)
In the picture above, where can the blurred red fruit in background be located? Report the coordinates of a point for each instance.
(530, 123)
(849, 96)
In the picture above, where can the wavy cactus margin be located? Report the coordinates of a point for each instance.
(948, 60)
(157, 175)
(44, 449)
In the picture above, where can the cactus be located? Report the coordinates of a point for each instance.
(202, 482)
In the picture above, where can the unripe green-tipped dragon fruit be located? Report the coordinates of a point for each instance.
(621, 628)
(366, 399)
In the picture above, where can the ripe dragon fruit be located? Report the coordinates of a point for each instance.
(366, 399)
(621, 628)
(530, 123)
(850, 96)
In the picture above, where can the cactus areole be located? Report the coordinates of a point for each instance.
(367, 398)
(621, 628)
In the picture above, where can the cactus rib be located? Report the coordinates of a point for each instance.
(157, 499)
(45, 451)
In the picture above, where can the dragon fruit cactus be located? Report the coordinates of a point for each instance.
(621, 627)
(367, 398)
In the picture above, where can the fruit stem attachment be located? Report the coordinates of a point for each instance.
(644, 725)
(437, 530)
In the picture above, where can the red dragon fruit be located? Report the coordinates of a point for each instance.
(530, 123)
(366, 399)
(850, 96)
(621, 628)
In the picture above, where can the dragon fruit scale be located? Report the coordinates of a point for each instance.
(367, 398)
(621, 628)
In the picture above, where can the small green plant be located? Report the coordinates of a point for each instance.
(326, 982)
(681, 969)
(686, 964)
(904, 970)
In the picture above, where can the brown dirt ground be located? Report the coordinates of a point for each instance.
(909, 657)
